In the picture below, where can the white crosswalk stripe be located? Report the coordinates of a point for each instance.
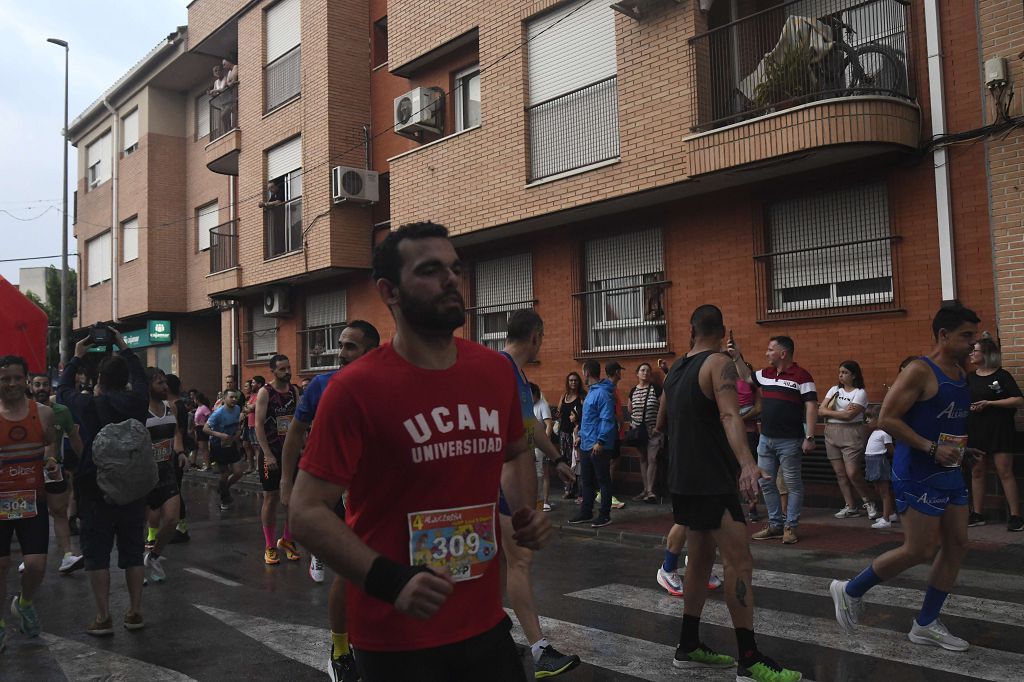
(82, 663)
(303, 643)
(983, 663)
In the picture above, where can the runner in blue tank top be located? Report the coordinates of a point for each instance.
(925, 411)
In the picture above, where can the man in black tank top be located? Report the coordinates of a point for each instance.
(708, 451)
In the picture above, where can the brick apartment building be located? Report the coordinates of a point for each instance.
(612, 166)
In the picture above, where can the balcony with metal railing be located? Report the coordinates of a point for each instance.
(225, 144)
(224, 271)
(807, 74)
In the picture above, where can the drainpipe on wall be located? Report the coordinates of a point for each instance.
(234, 308)
(115, 232)
(943, 199)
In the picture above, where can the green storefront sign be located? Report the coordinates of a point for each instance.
(156, 333)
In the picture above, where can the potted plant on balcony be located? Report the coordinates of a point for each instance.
(788, 78)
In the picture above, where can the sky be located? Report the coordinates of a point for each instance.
(106, 38)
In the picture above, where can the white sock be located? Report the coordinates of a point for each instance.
(536, 647)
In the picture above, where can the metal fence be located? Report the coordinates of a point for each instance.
(826, 255)
(320, 347)
(490, 323)
(283, 78)
(223, 112)
(224, 247)
(574, 130)
(282, 228)
(799, 52)
(627, 317)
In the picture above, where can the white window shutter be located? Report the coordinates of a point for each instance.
(569, 48)
(325, 309)
(202, 116)
(130, 128)
(130, 239)
(283, 28)
(97, 252)
(208, 217)
(264, 333)
(635, 253)
(284, 158)
(99, 151)
(503, 281)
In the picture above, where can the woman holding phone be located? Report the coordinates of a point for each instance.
(843, 409)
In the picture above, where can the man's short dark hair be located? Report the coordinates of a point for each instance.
(370, 334)
(387, 262)
(952, 315)
(592, 368)
(33, 377)
(259, 380)
(535, 390)
(523, 323)
(113, 374)
(8, 360)
(611, 367)
(152, 373)
(275, 359)
(785, 343)
(173, 384)
(706, 321)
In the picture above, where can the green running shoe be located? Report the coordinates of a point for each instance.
(702, 657)
(766, 670)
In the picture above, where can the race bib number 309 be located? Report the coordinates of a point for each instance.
(460, 540)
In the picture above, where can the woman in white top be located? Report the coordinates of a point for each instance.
(843, 410)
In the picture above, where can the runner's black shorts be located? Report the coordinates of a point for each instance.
(705, 512)
(491, 656)
(166, 487)
(270, 479)
(33, 534)
(225, 456)
(58, 487)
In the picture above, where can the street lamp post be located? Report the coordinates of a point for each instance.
(65, 320)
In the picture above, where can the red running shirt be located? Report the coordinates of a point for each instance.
(420, 453)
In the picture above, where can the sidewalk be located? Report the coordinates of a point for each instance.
(643, 524)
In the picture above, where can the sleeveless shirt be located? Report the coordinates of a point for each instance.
(280, 411)
(22, 449)
(161, 431)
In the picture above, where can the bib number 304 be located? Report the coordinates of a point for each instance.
(16, 505)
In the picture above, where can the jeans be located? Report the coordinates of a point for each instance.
(595, 470)
(787, 454)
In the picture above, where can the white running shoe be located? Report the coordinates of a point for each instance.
(936, 634)
(21, 567)
(847, 513)
(894, 518)
(70, 563)
(154, 571)
(881, 524)
(848, 609)
(672, 582)
(316, 569)
(873, 512)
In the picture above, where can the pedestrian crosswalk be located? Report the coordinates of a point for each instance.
(624, 649)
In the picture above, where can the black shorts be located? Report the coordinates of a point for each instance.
(270, 479)
(704, 512)
(491, 656)
(33, 534)
(166, 487)
(59, 487)
(225, 456)
(101, 523)
(201, 435)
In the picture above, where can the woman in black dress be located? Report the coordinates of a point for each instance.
(995, 398)
(570, 410)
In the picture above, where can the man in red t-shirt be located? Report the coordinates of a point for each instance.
(421, 456)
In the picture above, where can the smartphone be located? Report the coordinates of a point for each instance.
(732, 341)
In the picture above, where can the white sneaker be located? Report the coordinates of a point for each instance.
(881, 524)
(936, 634)
(894, 518)
(21, 567)
(70, 563)
(873, 512)
(672, 582)
(848, 609)
(154, 571)
(316, 569)
(847, 513)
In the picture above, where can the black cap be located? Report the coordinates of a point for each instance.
(612, 367)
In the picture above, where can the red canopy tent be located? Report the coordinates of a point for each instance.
(23, 327)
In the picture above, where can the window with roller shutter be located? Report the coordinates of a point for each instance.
(326, 314)
(500, 286)
(282, 73)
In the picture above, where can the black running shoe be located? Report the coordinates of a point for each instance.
(600, 522)
(975, 520)
(581, 519)
(1015, 524)
(553, 662)
(179, 537)
(343, 668)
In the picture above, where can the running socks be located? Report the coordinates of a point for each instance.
(151, 537)
(537, 648)
(671, 562)
(287, 533)
(689, 636)
(746, 646)
(933, 601)
(864, 581)
(340, 648)
(269, 533)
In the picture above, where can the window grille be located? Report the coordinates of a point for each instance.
(827, 254)
(500, 286)
(325, 319)
(283, 75)
(622, 308)
(262, 334)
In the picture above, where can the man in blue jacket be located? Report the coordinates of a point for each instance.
(598, 430)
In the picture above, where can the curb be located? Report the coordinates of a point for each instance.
(624, 537)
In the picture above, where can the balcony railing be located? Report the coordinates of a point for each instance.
(622, 320)
(800, 52)
(283, 78)
(223, 112)
(574, 130)
(320, 347)
(224, 247)
(282, 228)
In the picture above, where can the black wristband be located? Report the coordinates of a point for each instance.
(387, 578)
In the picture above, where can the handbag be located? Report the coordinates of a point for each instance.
(637, 436)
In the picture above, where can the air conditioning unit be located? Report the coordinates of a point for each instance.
(418, 110)
(354, 184)
(275, 303)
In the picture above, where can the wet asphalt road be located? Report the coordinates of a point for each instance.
(224, 615)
